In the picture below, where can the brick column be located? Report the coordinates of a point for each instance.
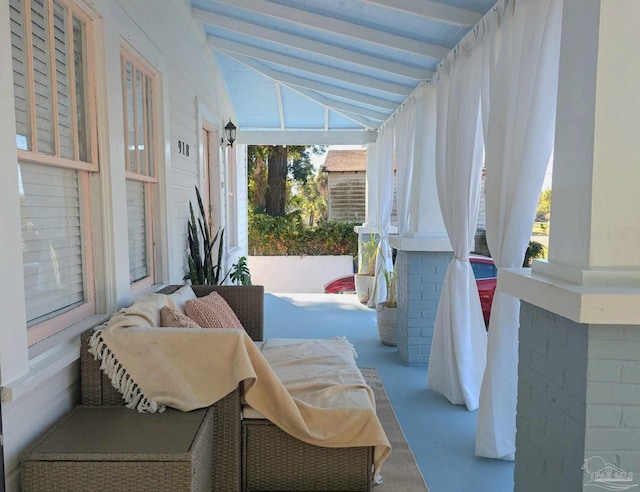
(420, 278)
(565, 418)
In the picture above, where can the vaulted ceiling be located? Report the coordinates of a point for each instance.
(314, 68)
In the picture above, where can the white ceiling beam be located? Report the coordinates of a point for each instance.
(332, 25)
(366, 123)
(280, 106)
(436, 11)
(312, 46)
(343, 106)
(305, 137)
(331, 90)
(309, 67)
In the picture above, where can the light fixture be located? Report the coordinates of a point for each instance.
(230, 133)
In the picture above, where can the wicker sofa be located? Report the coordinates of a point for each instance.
(253, 454)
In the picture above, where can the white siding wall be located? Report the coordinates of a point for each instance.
(38, 389)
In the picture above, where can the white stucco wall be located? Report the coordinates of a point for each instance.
(288, 274)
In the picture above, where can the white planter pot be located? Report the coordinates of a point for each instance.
(364, 287)
(387, 324)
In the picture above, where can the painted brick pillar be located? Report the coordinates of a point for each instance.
(579, 340)
(578, 403)
(420, 278)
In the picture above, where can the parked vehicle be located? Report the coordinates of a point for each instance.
(341, 285)
(484, 270)
(486, 273)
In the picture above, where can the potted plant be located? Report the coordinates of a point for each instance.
(364, 279)
(205, 262)
(386, 312)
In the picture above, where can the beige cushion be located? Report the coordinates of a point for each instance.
(180, 296)
(172, 318)
(212, 311)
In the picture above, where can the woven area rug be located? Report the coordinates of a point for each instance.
(400, 473)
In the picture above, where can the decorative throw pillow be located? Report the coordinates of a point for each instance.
(212, 311)
(173, 318)
(180, 296)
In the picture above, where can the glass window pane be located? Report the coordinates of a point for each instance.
(137, 223)
(140, 140)
(42, 77)
(20, 89)
(149, 123)
(80, 71)
(131, 135)
(52, 240)
(65, 121)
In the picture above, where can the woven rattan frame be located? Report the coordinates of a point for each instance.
(144, 472)
(273, 460)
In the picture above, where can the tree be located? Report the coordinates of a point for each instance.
(544, 205)
(272, 170)
(276, 198)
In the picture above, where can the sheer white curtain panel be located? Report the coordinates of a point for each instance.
(458, 351)
(384, 191)
(521, 85)
(405, 136)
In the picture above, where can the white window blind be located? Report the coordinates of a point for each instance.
(52, 240)
(137, 226)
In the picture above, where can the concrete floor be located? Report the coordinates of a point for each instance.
(441, 435)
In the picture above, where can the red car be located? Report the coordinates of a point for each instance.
(484, 270)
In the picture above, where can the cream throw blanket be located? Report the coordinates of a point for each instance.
(325, 402)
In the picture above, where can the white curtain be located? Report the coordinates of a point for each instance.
(521, 85)
(405, 136)
(458, 351)
(384, 192)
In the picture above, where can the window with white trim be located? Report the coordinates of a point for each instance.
(138, 90)
(56, 139)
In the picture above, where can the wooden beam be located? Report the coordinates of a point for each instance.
(312, 46)
(436, 11)
(310, 67)
(306, 137)
(331, 90)
(258, 67)
(331, 25)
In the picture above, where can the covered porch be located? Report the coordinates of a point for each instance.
(115, 110)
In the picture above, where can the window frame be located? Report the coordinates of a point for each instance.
(45, 329)
(151, 183)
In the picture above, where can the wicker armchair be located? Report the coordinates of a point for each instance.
(248, 304)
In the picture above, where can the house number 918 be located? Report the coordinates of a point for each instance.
(183, 148)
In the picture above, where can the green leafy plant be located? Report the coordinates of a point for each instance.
(239, 274)
(204, 267)
(288, 236)
(392, 293)
(367, 258)
(534, 250)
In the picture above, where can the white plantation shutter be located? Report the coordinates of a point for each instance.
(19, 54)
(137, 226)
(52, 240)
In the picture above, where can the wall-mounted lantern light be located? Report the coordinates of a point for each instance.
(230, 133)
